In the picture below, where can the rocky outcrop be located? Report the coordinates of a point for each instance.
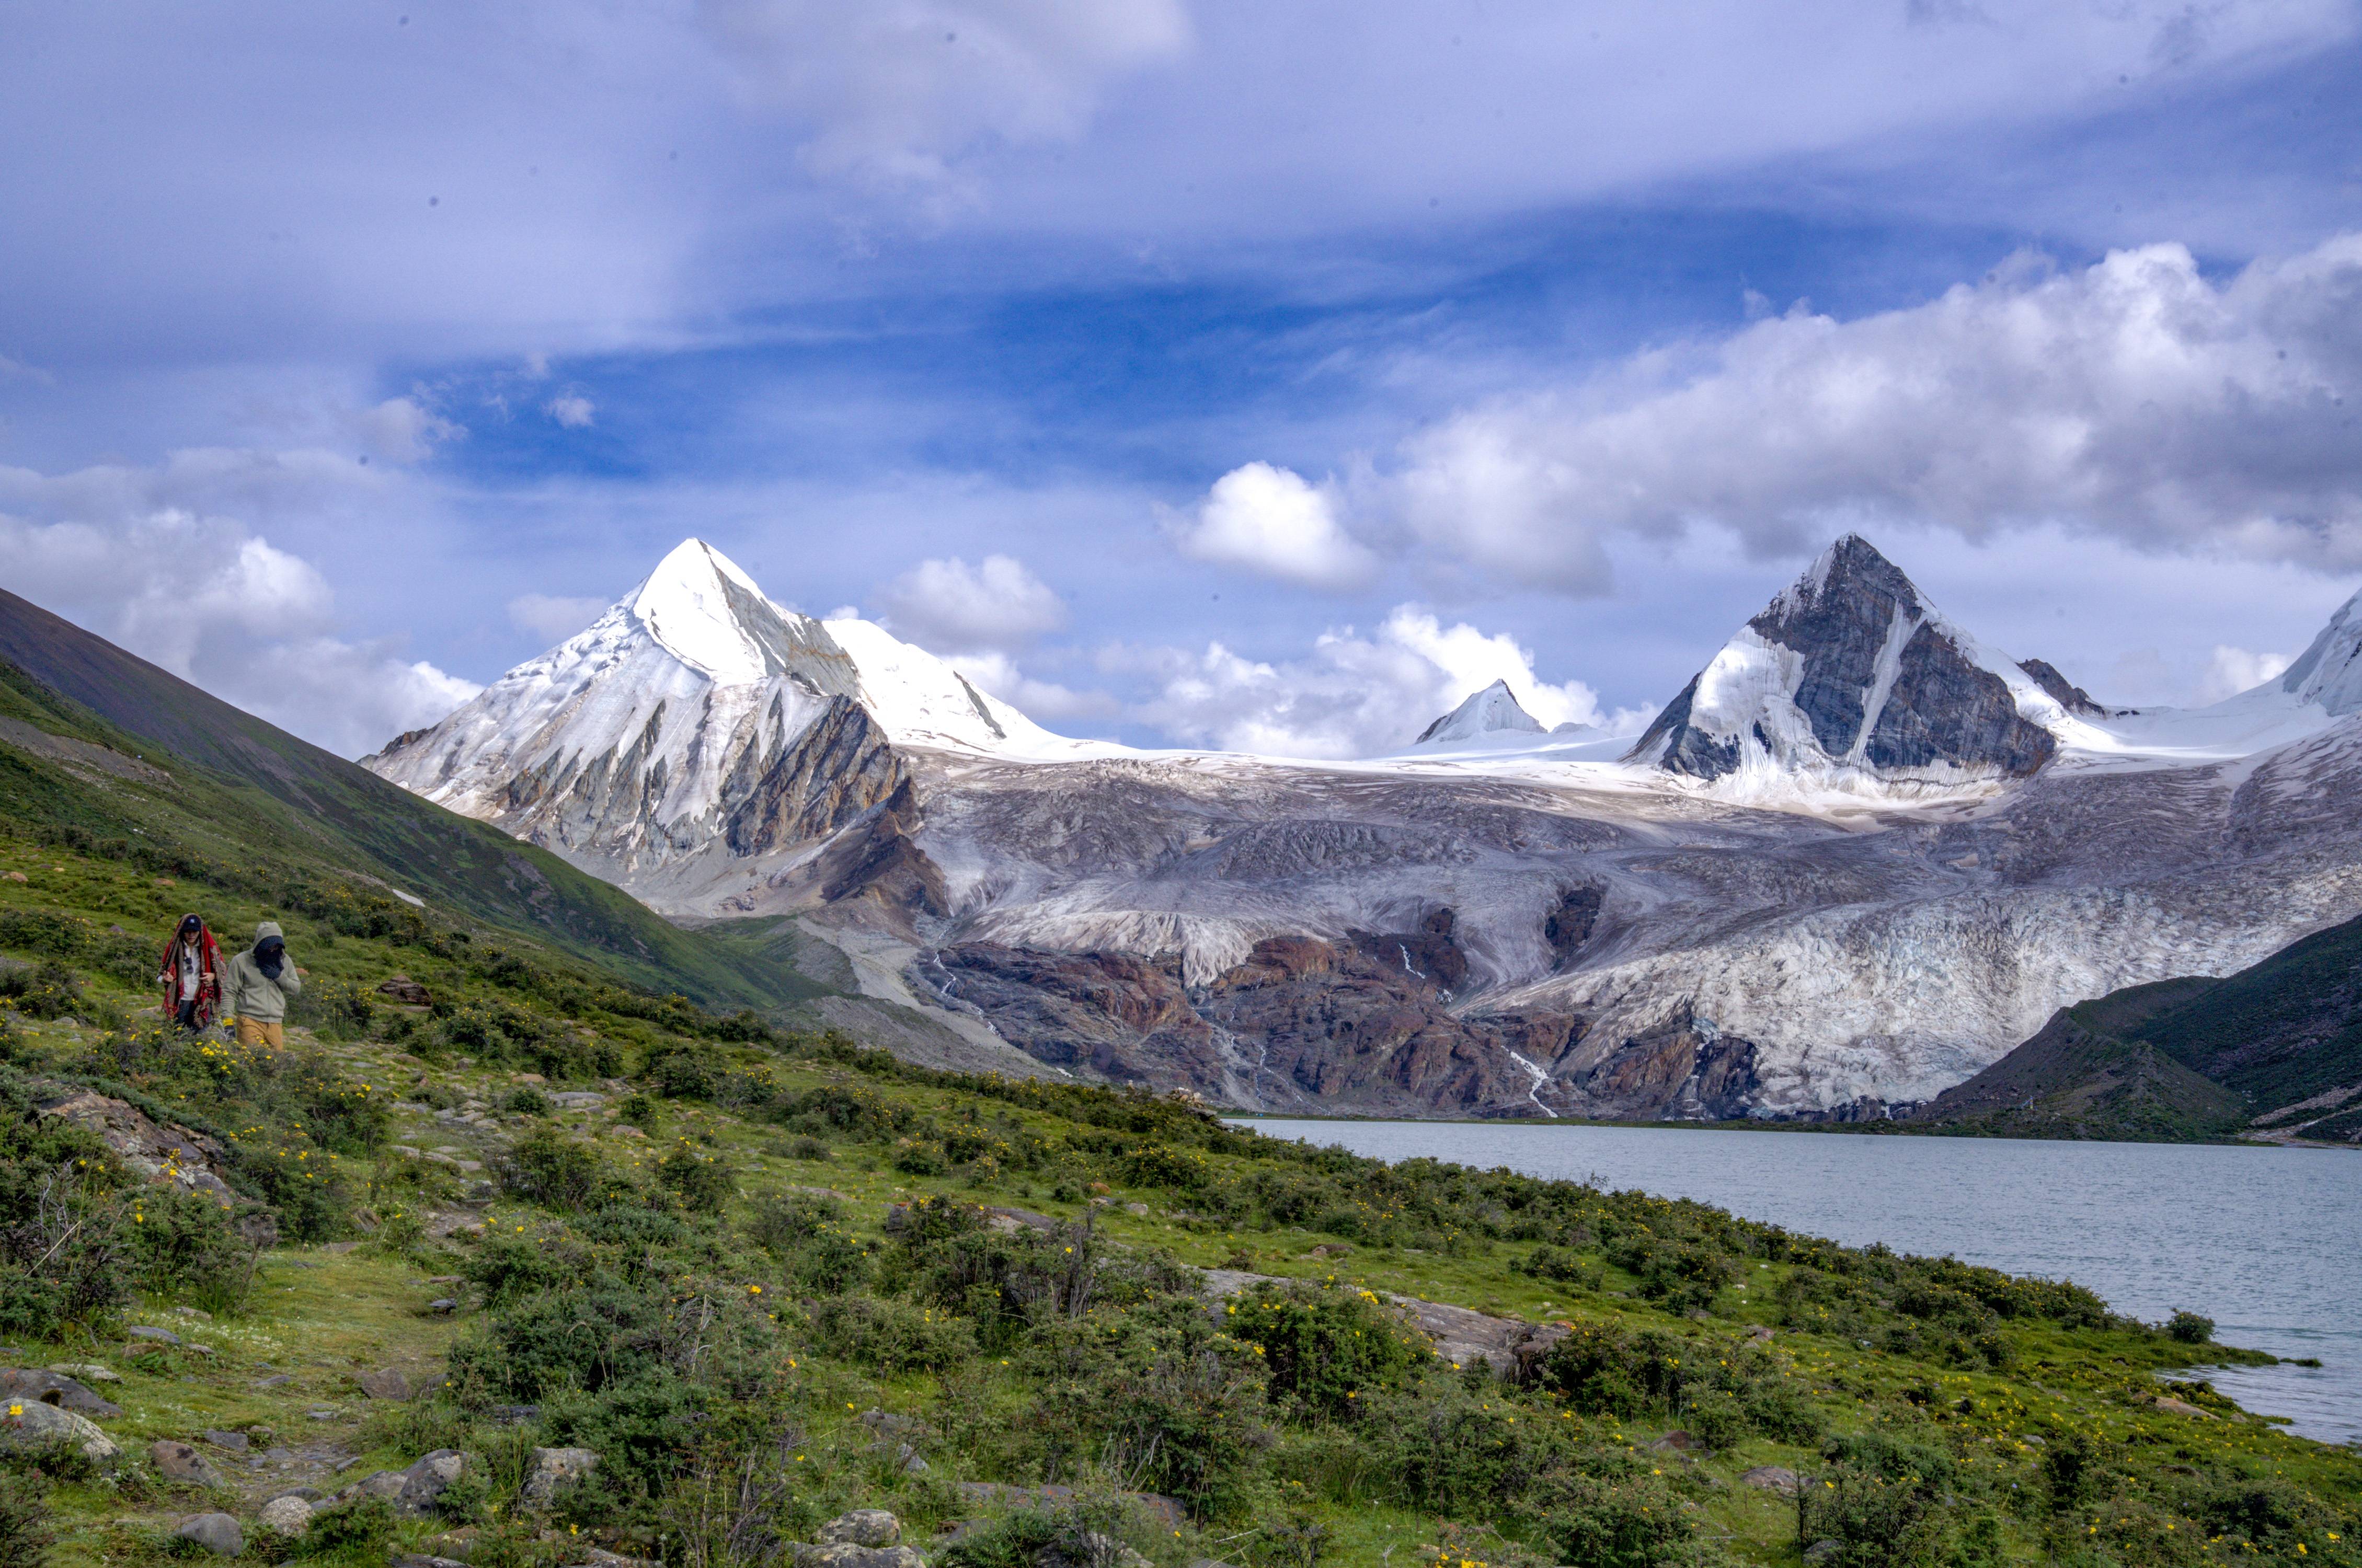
(1681, 1069)
(2068, 695)
(1120, 1017)
(840, 767)
(882, 863)
(1570, 924)
(1362, 1025)
(164, 1154)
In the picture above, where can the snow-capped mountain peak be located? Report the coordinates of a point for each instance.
(2330, 671)
(701, 607)
(1493, 710)
(698, 718)
(1851, 674)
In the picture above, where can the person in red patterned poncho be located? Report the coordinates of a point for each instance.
(191, 975)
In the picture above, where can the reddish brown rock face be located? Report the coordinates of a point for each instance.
(1362, 1025)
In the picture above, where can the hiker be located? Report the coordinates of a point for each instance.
(191, 975)
(255, 986)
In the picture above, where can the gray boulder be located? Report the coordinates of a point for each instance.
(217, 1534)
(1772, 1478)
(554, 1468)
(25, 1428)
(412, 1491)
(285, 1515)
(179, 1462)
(846, 1554)
(52, 1389)
(862, 1527)
(387, 1384)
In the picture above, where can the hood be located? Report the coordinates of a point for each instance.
(267, 930)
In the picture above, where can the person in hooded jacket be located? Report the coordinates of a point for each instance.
(191, 975)
(255, 986)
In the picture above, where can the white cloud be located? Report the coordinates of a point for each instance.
(2134, 398)
(1268, 520)
(124, 552)
(573, 411)
(402, 430)
(1040, 700)
(896, 93)
(547, 616)
(2234, 670)
(1351, 695)
(949, 606)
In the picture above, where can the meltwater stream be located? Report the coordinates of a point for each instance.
(2267, 1242)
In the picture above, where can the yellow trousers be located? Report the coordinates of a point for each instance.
(252, 1032)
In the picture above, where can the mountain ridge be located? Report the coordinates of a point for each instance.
(1622, 939)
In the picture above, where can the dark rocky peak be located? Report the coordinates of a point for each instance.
(2070, 696)
(1851, 669)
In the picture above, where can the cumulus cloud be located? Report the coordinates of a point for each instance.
(896, 93)
(950, 607)
(1040, 700)
(1350, 695)
(2234, 670)
(548, 615)
(122, 552)
(1268, 520)
(2135, 398)
(573, 411)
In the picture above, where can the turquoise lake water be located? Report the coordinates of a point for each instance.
(2267, 1242)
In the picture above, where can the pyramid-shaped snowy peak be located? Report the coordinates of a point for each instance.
(1493, 711)
(696, 711)
(1851, 674)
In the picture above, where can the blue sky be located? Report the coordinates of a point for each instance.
(1299, 366)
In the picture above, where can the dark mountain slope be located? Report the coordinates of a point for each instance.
(2284, 1030)
(2078, 1078)
(166, 760)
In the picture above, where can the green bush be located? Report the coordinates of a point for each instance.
(818, 1255)
(182, 1243)
(1328, 1346)
(555, 1171)
(891, 1336)
(2189, 1328)
(357, 1531)
(49, 989)
(1624, 1522)
(526, 1100)
(1875, 1522)
(26, 1536)
(1449, 1450)
(702, 1182)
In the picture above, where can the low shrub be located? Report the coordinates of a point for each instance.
(2189, 1328)
(702, 1182)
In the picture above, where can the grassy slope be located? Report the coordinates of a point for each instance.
(243, 789)
(2081, 1076)
(2280, 1031)
(364, 1310)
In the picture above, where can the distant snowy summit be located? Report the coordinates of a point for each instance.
(696, 712)
(1852, 671)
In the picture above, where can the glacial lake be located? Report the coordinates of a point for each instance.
(2267, 1242)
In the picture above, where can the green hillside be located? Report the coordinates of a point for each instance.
(221, 790)
(2276, 1048)
(2284, 1030)
(2081, 1078)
